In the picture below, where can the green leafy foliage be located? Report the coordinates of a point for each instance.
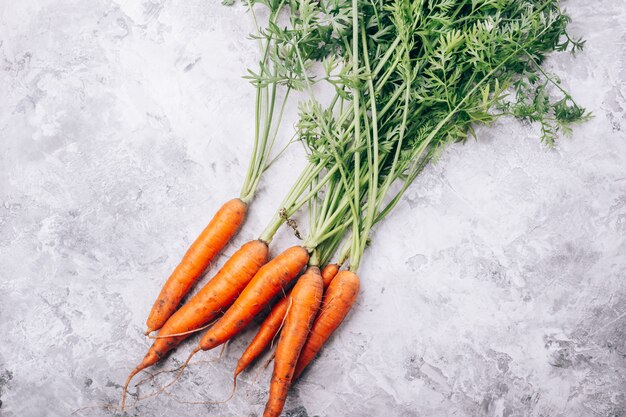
(437, 69)
(410, 77)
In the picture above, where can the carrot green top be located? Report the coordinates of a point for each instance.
(410, 77)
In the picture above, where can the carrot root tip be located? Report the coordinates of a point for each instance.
(125, 390)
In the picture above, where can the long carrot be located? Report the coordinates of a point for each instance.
(338, 301)
(213, 238)
(304, 303)
(272, 323)
(270, 280)
(216, 295)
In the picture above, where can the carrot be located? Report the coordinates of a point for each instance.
(272, 323)
(328, 273)
(265, 335)
(213, 238)
(338, 301)
(305, 301)
(216, 295)
(272, 278)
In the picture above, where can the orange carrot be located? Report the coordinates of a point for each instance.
(305, 301)
(213, 238)
(219, 293)
(265, 335)
(328, 273)
(272, 278)
(338, 301)
(272, 323)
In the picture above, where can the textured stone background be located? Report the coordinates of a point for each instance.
(497, 288)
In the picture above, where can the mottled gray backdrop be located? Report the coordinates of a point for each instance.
(497, 288)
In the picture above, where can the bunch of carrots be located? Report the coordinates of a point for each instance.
(409, 77)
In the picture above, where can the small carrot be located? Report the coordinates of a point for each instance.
(219, 293)
(272, 323)
(270, 280)
(328, 273)
(338, 301)
(264, 336)
(213, 238)
(305, 301)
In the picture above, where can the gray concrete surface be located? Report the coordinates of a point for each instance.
(497, 288)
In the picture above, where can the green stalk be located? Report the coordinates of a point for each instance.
(357, 127)
(293, 201)
(373, 183)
